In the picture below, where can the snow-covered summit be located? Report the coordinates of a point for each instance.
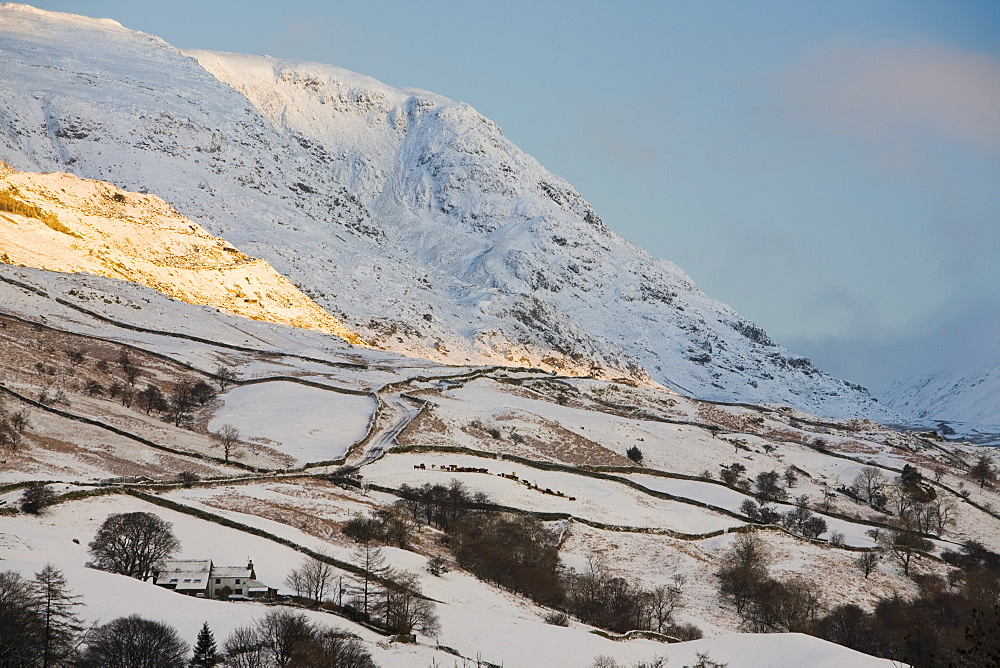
(407, 215)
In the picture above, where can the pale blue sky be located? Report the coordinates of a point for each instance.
(829, 169)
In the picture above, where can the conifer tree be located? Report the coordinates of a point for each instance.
(60, 626)
(204, 649)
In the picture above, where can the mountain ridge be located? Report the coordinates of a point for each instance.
(408, 216)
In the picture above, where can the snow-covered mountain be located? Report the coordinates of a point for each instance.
(949, 395)
(409, 216)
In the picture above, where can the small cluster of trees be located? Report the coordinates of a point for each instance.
(765, 604)
(440, 505)
(518, 552)
(766, 485)
(286, 638)
(600, 597)
(38, 621)
(121, 388)
(387, 598)
(799, 520)
(953, 622)
(175, 405)
(383, 596)
(386, 526)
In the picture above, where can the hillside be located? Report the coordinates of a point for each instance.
(63, 223)
(318, 322)
(305, 408)
(408, 216)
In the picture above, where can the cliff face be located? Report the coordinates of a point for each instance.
(60, 222)
(408, 216)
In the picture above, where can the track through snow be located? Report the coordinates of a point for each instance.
(406, 409)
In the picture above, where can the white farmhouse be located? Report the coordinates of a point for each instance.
(202, 578)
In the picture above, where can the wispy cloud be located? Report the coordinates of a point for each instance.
(897, 91)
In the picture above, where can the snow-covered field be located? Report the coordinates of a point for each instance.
(308, 423)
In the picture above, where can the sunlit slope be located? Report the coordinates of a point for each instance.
(64, 223)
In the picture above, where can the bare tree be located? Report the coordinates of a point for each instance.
(225, 377)
(900, 501)
(312, 580)
(130, 370)
(227, 438)
(133, 544)
(868, 562)
(181, 402)
(280, 632)
(404, 610)
(869, 482)
(296, 581)
(151, 399)
(12, 427)
(134, 642)
(19, 420)
(285, 638)
(663, 601)
(245, 649)
(744, 568)
(944, 516)
(333, 647)
(904, 543)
